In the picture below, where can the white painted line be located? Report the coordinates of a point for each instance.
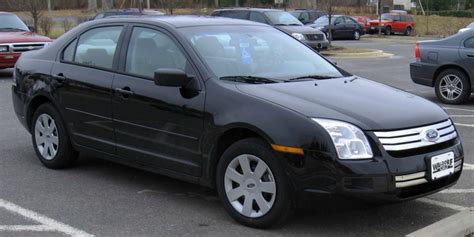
(37, 228)
(451, 108)
(461, 116)
(442, 204)
(464, 125)
(46, 221)
(449, 191)
(468, 166)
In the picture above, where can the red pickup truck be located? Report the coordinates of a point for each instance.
(393, 23)
(15, 38)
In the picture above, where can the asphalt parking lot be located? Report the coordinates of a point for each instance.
(105, 199)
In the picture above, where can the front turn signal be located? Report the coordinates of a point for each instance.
(288, 149)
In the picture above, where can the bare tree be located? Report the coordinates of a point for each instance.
(34, 7)
(46, 23)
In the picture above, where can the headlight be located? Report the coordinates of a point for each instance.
(298, 36)
(3, 48)
(349, 140)
(382, 24)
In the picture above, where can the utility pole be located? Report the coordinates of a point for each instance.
(216, 3)
(237, 3)
(92, 5)
(379, 13)
(148, 4)
(49, 6)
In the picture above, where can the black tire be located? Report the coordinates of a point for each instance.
(65, 155)
(464, 80)
(388, 30)
(356, 35)
(408, 31)
(283, 205)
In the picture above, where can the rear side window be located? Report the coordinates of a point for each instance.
(97, 47)
(68, 53)
(396, 18)
(244, 15)
(469, 43)
(339, 20)
(258, 17)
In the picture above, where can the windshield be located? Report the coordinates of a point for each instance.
(282, 18)
(12, 23)
(322, 21)
(256, 51)
(386, 17)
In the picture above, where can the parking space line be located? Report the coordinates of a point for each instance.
(468, 166)
(464, 125)
(51, 225)
(442, 204)
(37, 228)
(449, 191)
(451, 108)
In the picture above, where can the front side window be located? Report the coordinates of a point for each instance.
(469, 43)
(150, 50)
(387, 17)
(257, 51)
(258, 17)
(235, 14)
(97, 47)
(339, 20)
(282, 18)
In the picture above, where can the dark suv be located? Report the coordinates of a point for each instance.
(233, 105)
(282, 20)
(307, 16)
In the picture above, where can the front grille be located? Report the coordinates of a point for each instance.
(18, 48)
(314, 37)
(408, 180)
(414, 138)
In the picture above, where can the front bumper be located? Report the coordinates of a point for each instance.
(322, 44)
(384, 177)
(374, 29)
(8, 60)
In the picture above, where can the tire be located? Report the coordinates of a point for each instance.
(281, 204)
(408, 31)
(356, 35)
(388, 30)
(50, 139)
(452, 86)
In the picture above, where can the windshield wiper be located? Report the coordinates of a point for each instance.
(11, 29)
(249, 79)
(312, 77)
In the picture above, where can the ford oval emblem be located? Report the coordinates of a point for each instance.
(431, 135)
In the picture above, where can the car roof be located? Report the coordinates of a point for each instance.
(6, 13)
(249, 9)
(182, 20)
(307, 10)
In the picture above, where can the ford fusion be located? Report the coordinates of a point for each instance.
(234, 105)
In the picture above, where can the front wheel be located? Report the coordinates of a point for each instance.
(408, 31)
(50, 139)
(452, 87)
(252, 185)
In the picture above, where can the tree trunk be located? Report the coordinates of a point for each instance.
(92, 5)
(216, 3)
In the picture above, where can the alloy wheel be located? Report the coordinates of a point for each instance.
(250, 186)
(356, 35)
(46, 136)
(451, 87)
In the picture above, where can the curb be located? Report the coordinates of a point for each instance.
(457, 225)
(372, 54)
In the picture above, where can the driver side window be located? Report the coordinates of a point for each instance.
(469, 43)
(339, 20)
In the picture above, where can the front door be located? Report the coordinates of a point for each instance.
(86, 72)
(159, 126)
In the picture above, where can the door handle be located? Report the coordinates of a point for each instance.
(60, 77)
(470, 55)
(125, 92)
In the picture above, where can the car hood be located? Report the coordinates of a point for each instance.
(364, 103)
(21, 37)
(298, 29)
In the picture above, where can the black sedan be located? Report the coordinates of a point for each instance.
(343, 27)
(446, 65)
(234, 105)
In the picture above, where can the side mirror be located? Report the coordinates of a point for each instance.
(172, 77)
(32, 28)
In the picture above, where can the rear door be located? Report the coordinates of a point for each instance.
(87, 68)
(398, 23)
(466, 52)
(339, 28)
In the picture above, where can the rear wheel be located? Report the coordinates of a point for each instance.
(408, 31)
(50, 140)
(356, 35)
(452, 86)
(252, 185)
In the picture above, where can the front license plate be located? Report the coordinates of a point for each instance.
(442, 165)
(372, 28)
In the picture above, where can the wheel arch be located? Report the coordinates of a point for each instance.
(34, 104)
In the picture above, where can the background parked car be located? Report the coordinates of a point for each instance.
(15, 38)
(343, 27)
(468, 27)
(279, 19)
(393, 23)
(307, 16)
(446, 65)
(364, 21)
(126, 12)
